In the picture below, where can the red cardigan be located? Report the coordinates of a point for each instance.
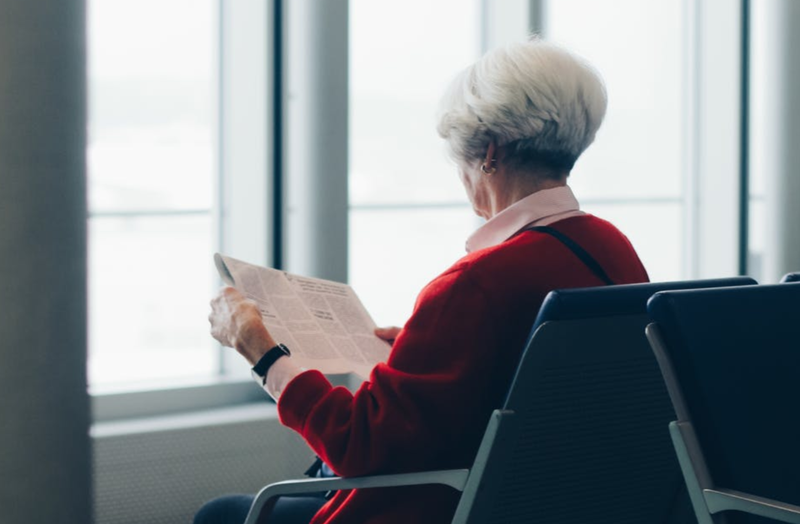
(428, 406)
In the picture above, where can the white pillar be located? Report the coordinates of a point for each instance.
(317, 129)
(505, 21)
(713, 93)
(44, 409)
(776, 131)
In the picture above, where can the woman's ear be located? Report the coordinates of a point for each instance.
(489, 165)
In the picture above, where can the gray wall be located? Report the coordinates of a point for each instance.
(161, 470)
(44, 410)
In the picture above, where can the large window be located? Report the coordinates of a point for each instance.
(181, 161)
(152, 178)
(407, 207)
(634, 173)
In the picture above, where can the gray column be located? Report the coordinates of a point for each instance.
(711, 126)
(504, 21)
(776, 133)
(44, 409)
(317, 127)
(786, 186)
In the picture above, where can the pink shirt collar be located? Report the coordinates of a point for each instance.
(538, 209)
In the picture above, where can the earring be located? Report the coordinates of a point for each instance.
(489, 170)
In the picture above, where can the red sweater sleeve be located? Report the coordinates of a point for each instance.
(418, 408)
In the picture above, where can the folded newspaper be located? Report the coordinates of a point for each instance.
(323, 323)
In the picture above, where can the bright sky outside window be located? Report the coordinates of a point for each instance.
(633, 174)
(151, 179)
(407, 203)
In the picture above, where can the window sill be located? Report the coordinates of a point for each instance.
(209, 395)
(184, 400)
(244, 413)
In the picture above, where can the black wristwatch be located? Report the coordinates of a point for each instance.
(259, 371)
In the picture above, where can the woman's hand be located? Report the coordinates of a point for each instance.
(236, 322)
(388, 333)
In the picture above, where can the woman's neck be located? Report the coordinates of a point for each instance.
(511, 190)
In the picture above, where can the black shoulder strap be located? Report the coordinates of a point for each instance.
(581, 253)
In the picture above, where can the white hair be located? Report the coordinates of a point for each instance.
(540, 101)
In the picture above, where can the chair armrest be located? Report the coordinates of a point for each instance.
(730, 500)
(455, 478)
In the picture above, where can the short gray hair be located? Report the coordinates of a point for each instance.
(541, 102)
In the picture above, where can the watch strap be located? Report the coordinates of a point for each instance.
(269, 358)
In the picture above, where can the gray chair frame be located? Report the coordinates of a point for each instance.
(709, 501)
(458, 479)
(467, 481)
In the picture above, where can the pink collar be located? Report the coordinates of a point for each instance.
(538, 209)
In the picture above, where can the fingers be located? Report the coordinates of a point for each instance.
(231, 293)
(228, 301)
(220, 326)
(387, 333)
(228, 294)
(236, 322)
(222, 317)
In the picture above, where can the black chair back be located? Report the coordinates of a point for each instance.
(735, 364)
(588, 440)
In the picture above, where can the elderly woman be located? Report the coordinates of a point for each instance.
(515, 123)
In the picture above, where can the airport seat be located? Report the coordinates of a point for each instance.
(731, 362)
(791, 277)
(582, 435)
